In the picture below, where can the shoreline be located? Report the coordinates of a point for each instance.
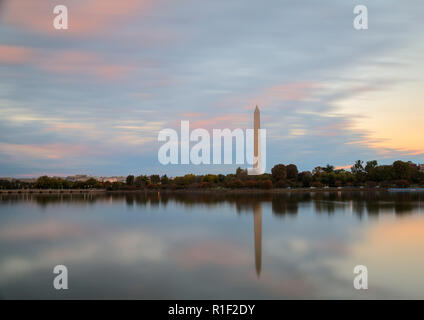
(209, 191)
(198, 191)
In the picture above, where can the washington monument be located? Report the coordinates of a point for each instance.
(257, 159)
(257, 209)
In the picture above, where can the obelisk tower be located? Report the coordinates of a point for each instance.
(257, 165)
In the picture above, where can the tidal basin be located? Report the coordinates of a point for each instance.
(212, 246)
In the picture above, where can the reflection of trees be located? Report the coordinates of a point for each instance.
(285, 204)
(129, 199)
(360, 203)
(323, 203)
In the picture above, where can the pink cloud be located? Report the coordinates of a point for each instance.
(334, 129)
(292, 91)
(221, 122)
(85, 16)
(14, 54)
(65, 62)
(193, 114)
(344, 167)
(271, 96)
(82, 63)
(45, 151)
(296, 91)
(384, 149)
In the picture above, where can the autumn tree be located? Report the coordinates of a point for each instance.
(164, 179)
(306, 178)
(279, 173)
(291, 171)
(155, 178)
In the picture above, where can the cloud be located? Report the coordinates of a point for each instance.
(70, 62)
(314, 77)
(222, 121)
(297, 91)
(343, 167)
(45, 151)
(85, 17)
(82, 63)
(14, 54)
(333, 129)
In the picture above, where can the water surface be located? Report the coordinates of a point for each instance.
(210, 246)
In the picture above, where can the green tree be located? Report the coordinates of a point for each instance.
(358, 171)
(43, 182)
(164, 179)
(130, 180)
(155, 178)
(141, 181)
(279, 173)
(357, 167)
(210, 178)
(370, 166)
(291, 171)
(91, 183)
(306, 178)
(328, 168)
(189, 179)
(402, 170)
(241, 174)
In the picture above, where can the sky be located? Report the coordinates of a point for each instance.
(92, 99)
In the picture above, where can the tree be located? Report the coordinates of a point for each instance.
(155, 178)
(358, 171)
(328, 169)
(402, 170)
(188, 179)
(164, 179)
(141, 181)
(317, 172)
(331, 179)
(291, 171)
(370, 166)
(306, 178)
(130, 180)
(210, 178)
(357, 167)
(279, 172)
(241, 174)
(381, 173)
(266, 184)
(43, 182)
(92, 183)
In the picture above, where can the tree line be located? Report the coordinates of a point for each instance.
(399, 174)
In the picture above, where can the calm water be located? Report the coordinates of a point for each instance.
(212, 246)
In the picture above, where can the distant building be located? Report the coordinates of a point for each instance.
(105, 179)
(78, 177)
(113, 179)
(421, 167)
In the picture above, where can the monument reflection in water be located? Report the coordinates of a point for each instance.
(199, 246)
(257, 220)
